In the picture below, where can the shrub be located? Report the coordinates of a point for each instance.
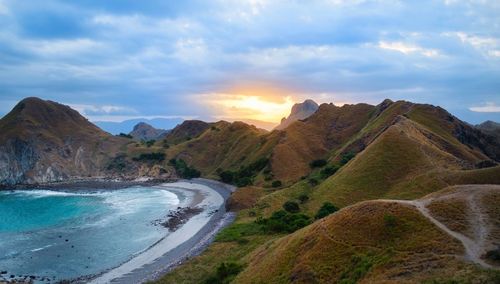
(118, 163)
(303, 198)
(149, 143)
(125, 135)
(227, 176)
(328, 171)
(276, 183)
(313, 181)
(245, 175)
(244, 181)
(346, 157)
(390, 220)
(318, 163)
(225, 273)
(165, 144)
(494, 254)
(284, 222)
(326, 209)
(183, 170)
(291, 206)
(151, 157)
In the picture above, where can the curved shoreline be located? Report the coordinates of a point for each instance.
(189, 240)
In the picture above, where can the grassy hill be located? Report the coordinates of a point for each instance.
(406, 161)
(374, 242)
(395, 150)
(44, 141)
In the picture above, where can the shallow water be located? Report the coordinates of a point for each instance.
(66, 235)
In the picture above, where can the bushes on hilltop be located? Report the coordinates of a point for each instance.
(183, 170)
(284, 222)
(245, 175)
(326, 209)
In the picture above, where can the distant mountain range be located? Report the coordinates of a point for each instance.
(127, 126)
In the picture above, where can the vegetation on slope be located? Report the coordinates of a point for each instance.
(370, 242)
(391, 154)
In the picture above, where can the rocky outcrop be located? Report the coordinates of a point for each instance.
(299, 111)
(17, 157)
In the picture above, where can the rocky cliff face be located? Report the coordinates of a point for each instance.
(144, 131)
(43, 141)
(299, 111)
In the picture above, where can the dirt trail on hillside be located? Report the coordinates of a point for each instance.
(482, 241)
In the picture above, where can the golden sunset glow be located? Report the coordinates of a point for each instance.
(241, 106)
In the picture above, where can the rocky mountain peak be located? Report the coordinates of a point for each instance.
(299, 111)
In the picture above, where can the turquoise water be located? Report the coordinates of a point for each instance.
(63, 235)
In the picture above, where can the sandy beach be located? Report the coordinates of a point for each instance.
(188, 240)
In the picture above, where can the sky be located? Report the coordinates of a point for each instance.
(249, 59)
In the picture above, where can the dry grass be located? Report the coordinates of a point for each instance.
(453, 213)
(441, 123)
(244, 198)
(359, 239)
(199, 268)
(316, 137)
(401, 163)
(225, 146)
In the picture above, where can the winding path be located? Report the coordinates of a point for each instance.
(478, 220)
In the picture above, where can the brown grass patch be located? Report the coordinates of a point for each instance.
(324, 252)
(453, 213)
(244, 198)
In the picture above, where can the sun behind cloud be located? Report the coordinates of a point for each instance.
(253, 106)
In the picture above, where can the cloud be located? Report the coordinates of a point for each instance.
(92, 110)
(3, 8)
(408, 48)
(121, 118)
(487, 107)
(487, 45)
(157, 57)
